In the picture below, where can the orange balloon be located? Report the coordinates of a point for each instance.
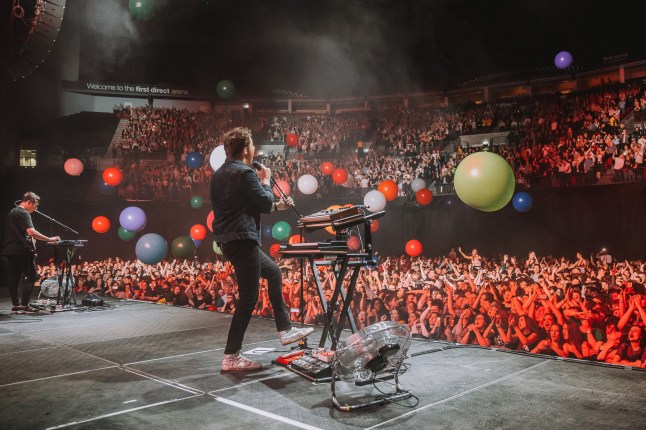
(291, 139)
(327, 168)
(339, 176)
(332, 208)
(354, 243)
(209, 221)
(273, 250)
(424, 196)
(198, 232)
(374, 226)
(297, 238)
(112, 176)
(100, 224)
(389, 189)
(413, 248)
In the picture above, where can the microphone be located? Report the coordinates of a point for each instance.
(257, 165)
(17, 202)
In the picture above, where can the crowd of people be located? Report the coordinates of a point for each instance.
(586, 308)
(548, 136)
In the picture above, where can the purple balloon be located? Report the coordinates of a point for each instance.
(563, 60)
(132, 219)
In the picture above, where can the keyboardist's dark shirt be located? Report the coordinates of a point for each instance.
(238, 199)
(16, 239)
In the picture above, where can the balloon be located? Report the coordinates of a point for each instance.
(291, 140)
(297, 238)
(217, 157)
(522, 201)
(424, 196)
(563, 60)
(226, 89)
(284, 186)
(389, 189)
(417, 184)
(339, 176)
(354, 244)
(216, 248)
(332, 208)
(266, 230)
(484, 181)
(209, 221)
(349, 183)
(151, 248)
(143, 10)
(112, 176)
(197, 243)
(307, 184)
(183, 248)
(374, 226)
(105, 188)
(198, 232)
(413, 248)
(73, 166)
(101, 224)
(273, 250)
(194, 160)
(125, 235)
(197, 202)
(281, 230)
(327, 168)
(132, 219)
(375, 201)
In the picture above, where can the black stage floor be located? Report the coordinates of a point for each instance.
(140, 366)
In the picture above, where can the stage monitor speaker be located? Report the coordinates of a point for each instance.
(92, 300)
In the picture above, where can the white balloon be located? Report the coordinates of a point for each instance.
(217, 157)
(375, 201)
(418, 184)
(308, 184)
(349, 183)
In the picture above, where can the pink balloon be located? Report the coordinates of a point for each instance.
(284, 186)
(73, 166)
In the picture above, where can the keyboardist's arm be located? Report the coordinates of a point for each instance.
(35, 234)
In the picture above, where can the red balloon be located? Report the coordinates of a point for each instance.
(284, 186)
(100, 224)
(354, 244)
(327, 168)
(339, 176)
(374, 226)
(389, 189)
(297, 238)
(273, 250)
(198, 232)
(413, 248)
(291, 140)
(112, 176)
(209, 221)
(424, 196)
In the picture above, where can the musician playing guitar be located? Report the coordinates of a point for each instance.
(18, 257)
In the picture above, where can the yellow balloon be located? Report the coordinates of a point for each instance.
(332, 208)
(484, 181)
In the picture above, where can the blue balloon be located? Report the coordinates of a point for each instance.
(266, 230)
(563, 60)
(151, 248)
(132, 219)
(522, 201)
(194, 160)
(105, 188)
(196, 242)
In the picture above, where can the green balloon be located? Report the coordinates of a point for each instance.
(197, 202)
(125, 235)
(183, 247)
(226, 89)
(484, 181)
(143, 10)
(281, 230)
(216, 248)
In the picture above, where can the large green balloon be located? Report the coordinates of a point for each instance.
(216, 248)
(197, 202)
(484, 181)
(143, 10)
(125, 235)
(226, 89)
(281, 230)
(183, 247)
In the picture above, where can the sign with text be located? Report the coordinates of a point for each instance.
(137, 90)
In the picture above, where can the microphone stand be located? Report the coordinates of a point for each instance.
(52, 220)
